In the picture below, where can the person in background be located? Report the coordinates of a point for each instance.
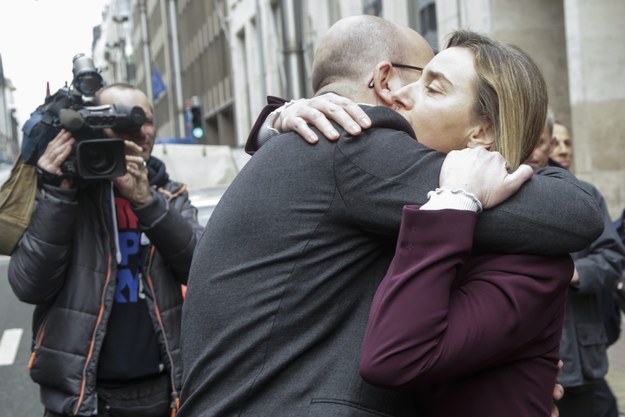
(562, 150)
(590, 301)
(540, 155)
(278, 297)
(103, 262)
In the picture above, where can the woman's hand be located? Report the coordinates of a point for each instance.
(558, 392)
(318, 111)
(482, 173)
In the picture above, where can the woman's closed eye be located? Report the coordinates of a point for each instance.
(432, 89)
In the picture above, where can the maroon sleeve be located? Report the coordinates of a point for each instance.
(438, 315)
(251, 146)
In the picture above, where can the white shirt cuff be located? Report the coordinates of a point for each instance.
(267, 131)
(445, 198)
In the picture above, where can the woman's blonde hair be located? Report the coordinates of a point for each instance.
(511, 92)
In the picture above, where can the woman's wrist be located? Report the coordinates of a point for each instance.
(457, 199)
(272, 125)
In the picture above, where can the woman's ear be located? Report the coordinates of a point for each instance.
(382, 82)
(482, 135)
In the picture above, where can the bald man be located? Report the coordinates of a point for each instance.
(282, 281)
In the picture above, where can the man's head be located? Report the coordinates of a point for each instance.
(540, 156)
(131, 96)
(562, 152)
(356, 55)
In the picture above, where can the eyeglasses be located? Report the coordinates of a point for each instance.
(412, 67)
(405, 66)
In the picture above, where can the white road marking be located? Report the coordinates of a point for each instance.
(8, 346)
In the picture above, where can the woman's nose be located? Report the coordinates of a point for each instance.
(405, 97)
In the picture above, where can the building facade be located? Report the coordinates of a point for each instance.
(228, 55)
(180, 55)
(8, 121)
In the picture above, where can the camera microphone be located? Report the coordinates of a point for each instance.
(71, 119)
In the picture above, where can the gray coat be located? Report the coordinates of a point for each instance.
(284, 274)
(584, 344)
(65, 264)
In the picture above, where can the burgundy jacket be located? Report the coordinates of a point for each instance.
(476, 334)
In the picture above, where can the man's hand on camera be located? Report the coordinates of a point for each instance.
(318, 111)
(56, 153)
(134, 185)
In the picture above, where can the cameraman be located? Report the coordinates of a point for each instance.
(103, 262)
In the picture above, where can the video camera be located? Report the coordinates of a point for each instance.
(95, 156)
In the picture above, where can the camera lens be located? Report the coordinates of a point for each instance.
(98, 160)
(101, 158)
(89, 83)
(87, 80)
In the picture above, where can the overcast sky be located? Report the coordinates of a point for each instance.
(38, 39)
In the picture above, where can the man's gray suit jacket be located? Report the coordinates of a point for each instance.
(284, 274)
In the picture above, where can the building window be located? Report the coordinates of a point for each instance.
(428, 18)
(334, 11)
(422, 18)
(372, 7)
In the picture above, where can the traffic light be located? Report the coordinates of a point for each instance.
(197, 122)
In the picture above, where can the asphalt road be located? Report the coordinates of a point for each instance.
(19, 396)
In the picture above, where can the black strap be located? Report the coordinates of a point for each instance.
(45, 177)
(49, 413)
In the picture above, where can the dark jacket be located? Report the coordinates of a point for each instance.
(476, 334)
(283, 277)
(619, 226)
(66, 264)
(584, 340)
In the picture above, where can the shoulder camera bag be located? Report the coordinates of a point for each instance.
(17, 197)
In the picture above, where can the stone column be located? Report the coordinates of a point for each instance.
(596, 66)
(536, 26)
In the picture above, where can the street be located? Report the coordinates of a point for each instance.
(19, 396)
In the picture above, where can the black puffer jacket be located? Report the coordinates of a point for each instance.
(66, 265)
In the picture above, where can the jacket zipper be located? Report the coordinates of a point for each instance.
(162, 326)
(83, 383)
(33, 355)
(176, 399)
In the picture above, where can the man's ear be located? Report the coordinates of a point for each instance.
(383, 81)
(482, 135)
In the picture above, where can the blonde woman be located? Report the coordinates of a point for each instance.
(474, 333)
